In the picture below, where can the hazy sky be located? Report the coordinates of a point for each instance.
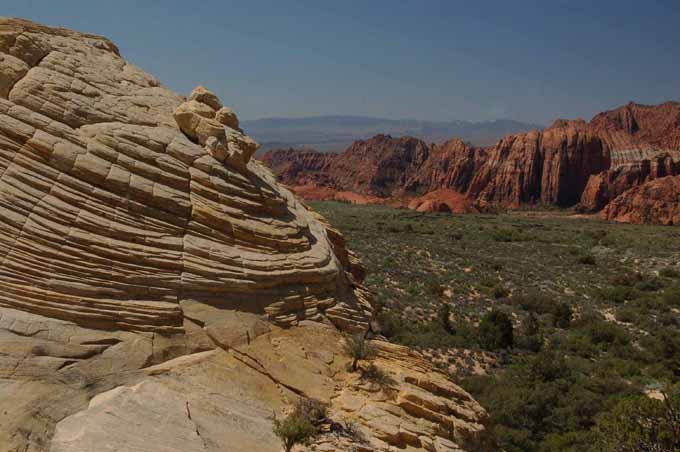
(439, 60)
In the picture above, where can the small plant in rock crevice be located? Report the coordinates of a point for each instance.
(301, 425)
(358, 348)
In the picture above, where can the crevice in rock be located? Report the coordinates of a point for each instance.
(198, 432)
(37, 64)
(200, 323)
(244, 357)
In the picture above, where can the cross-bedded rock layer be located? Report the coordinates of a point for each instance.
(148, 266)
(112, 216)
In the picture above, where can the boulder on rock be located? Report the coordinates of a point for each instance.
(203, 119)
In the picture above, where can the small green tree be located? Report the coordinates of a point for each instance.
(532, 339)
(562, 315)
(531, 325)
(294, 429)
(495, 331)
(445, 318)
(358, 348)
(300, 426)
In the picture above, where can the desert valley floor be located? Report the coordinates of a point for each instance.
(595, 305)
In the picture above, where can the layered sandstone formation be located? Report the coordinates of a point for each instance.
(442, 200)
(152, 271)
(656, 201)
(142, 218)
(607, 185)
(569, 163)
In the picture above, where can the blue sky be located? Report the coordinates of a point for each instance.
(438, 60)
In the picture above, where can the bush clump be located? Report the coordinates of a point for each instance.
(587, 259)
(500, 291)
(562, 315)
(618, 294)
(669, 272)
(302, 425)
(628, 279)
(649, 285)
(536, 302)
(509, 235)
(641, 423)
(495, 331)
(374, 374)
(358, 348)
(626, 315)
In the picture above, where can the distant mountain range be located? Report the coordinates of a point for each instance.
(336, 133)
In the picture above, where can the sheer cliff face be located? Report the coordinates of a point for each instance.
(568, 163)
(551, 167)
(644, 127)
(148, 266)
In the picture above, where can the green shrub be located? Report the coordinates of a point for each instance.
(587, 259)
(436, 289)
(618, 294)
(597, 234)
(500, 291)
(562, 315)
(455, 236)
(535, 302)
(302, 425)
(495, 331)
(671, 297)
(531, 343)
(374, 374)
(669, 272)
(548, 365)
(445, 318)
(358, 348)
(531, 338)
(426, 334)
(664, 345)
(626, 279)
(312, 409)
(509, 235)
(626, 315)
(641, 424)
(531, 325)
(601, 332)
(649, 285)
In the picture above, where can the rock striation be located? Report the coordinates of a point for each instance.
(607, 185)
(656, 201)
(147, 202)
(569, 163)
(152, 271)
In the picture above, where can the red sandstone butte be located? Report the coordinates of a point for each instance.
(571, 163)
(654, 202)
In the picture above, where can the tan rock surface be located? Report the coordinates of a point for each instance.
(231, 398)
(145, 279)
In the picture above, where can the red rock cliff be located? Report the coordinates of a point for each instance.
(568, 163)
